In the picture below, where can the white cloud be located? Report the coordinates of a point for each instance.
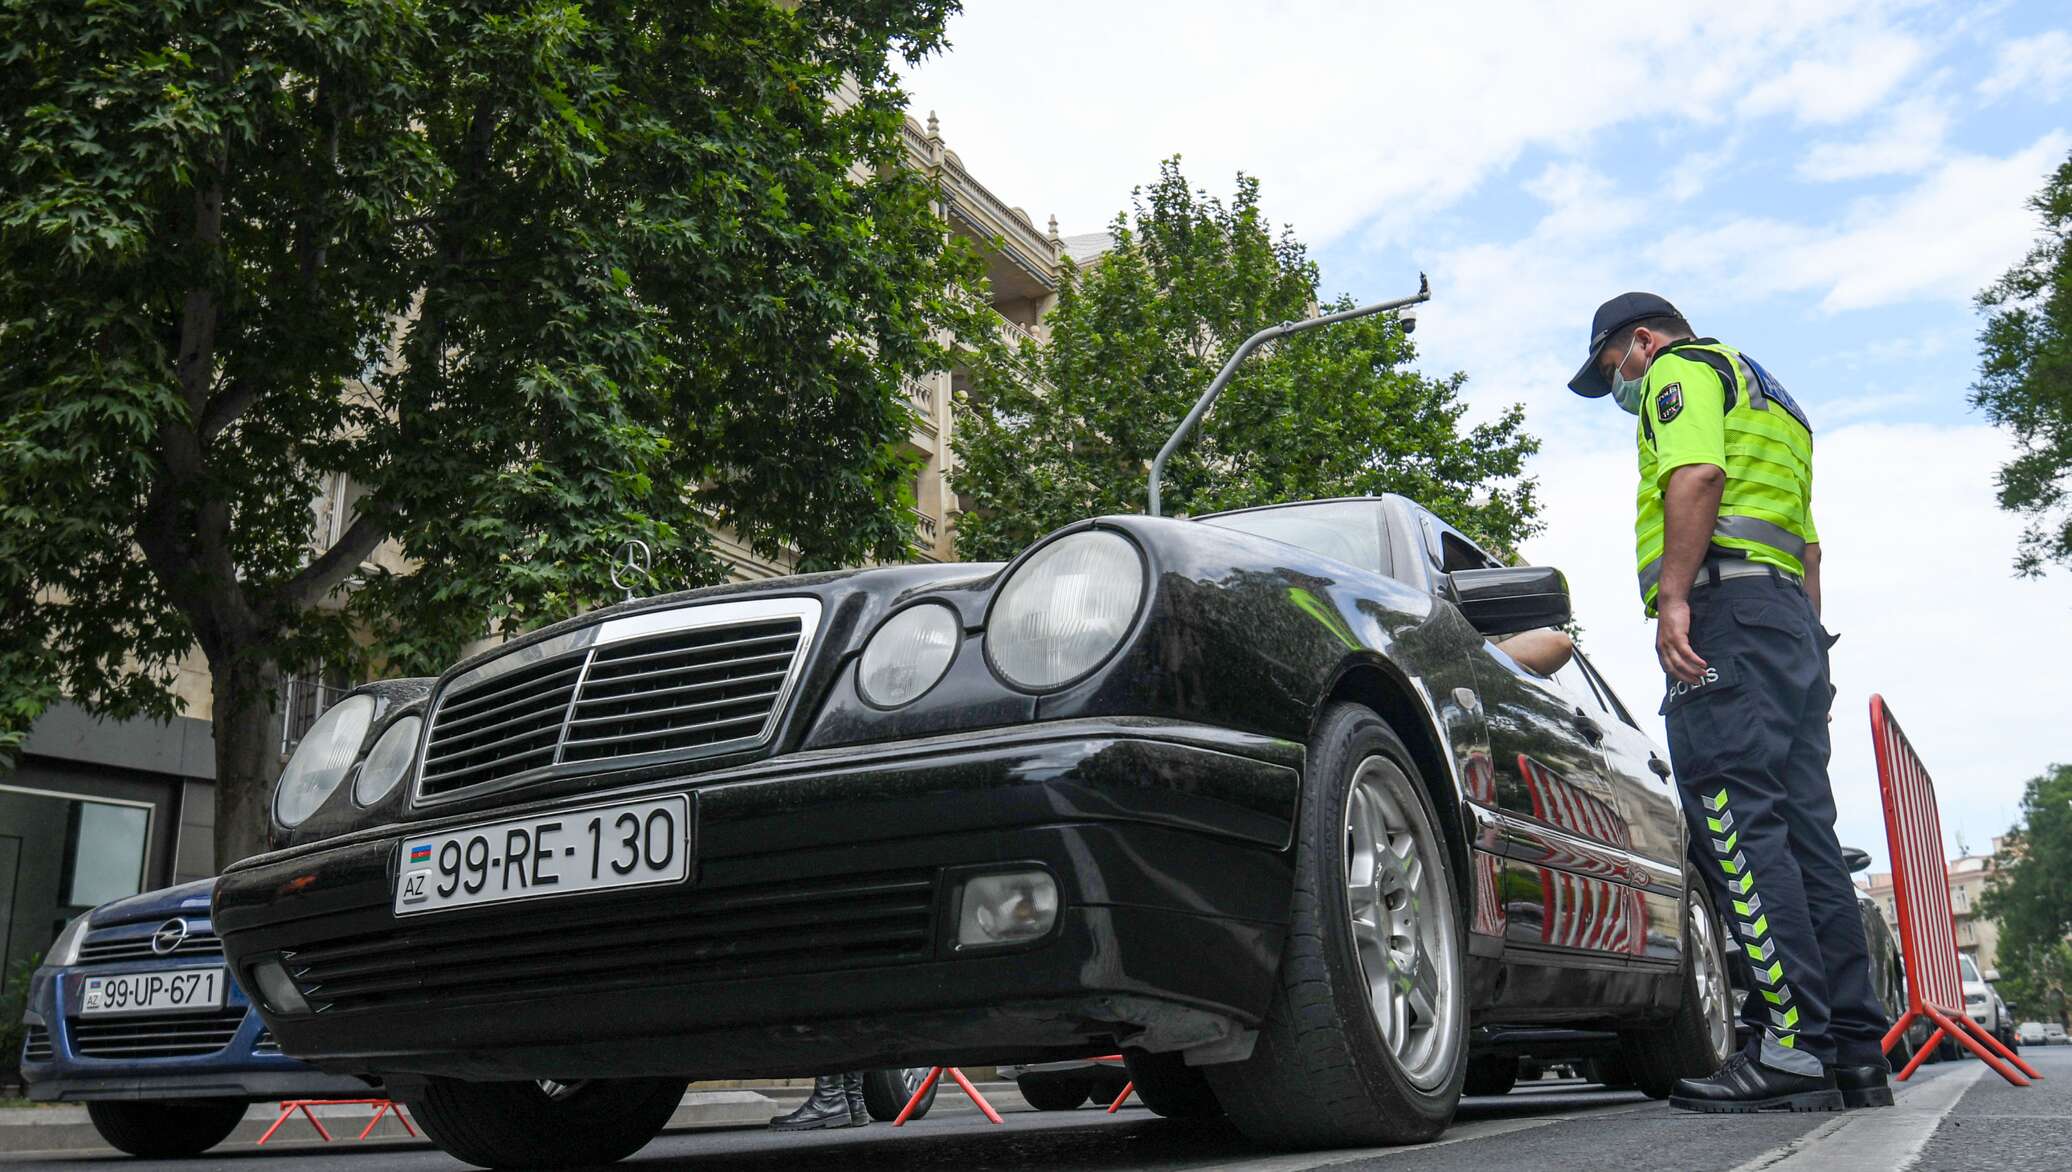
(1943, 239)
(1847, 76)
(1910, 140)
(2035, 67)
(1950, 638)
(1370, 117)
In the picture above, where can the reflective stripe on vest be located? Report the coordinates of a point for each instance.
(1745, 529)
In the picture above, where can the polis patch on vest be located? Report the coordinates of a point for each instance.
(1718, 676)
(1669, 402)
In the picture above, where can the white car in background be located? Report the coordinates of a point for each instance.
(1981, 1002)
(2032, 1033)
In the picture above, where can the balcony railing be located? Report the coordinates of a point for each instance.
(920, 393)
(927, 527)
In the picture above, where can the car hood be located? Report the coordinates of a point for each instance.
(185, 899)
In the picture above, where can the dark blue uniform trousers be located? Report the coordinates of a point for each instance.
(1750, 747)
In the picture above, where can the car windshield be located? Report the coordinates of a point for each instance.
(1347, 530)
(1970, 968)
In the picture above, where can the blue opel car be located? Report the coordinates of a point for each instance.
(134, 1013)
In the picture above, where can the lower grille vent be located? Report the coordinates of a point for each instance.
(155, 1035)
(36, 1047)
(835, 923)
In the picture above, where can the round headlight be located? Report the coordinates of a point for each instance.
(1065, 609)
(387, 761)
(908, 654)
(320, 761)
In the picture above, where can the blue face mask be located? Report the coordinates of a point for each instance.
(1627, 392)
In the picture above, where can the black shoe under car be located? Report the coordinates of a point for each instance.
(1864, 1086)
(1743, 1087)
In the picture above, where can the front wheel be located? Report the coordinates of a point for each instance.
(1365, 1039)
(544, 1124)
(1053, 1092)
(168, 1130)
(1700, 1037)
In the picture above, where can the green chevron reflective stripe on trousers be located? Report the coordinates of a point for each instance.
(1750, 924)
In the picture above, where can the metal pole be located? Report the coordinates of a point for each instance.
(1208, 397)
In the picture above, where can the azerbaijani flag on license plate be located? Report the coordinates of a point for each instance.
(421, 853)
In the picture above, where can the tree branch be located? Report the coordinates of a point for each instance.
(323, 575)
(225, 407)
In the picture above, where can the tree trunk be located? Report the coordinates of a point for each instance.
(247, 760)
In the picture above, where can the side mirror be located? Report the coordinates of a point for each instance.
(1510, 599)
(1857, 858)
(1991, 975)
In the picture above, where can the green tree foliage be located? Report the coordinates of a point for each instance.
(537, 276)
(2030, 894)
(2025, 379)
(1066, 431)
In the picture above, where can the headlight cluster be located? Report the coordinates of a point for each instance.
(1065, 609)
(65, 949)
(1060, 613)
(387, 761)
(322, 759)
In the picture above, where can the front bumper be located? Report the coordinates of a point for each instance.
(245, 1067)
(815, 934)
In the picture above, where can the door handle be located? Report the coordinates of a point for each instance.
(1591, 730)
(1659, 767)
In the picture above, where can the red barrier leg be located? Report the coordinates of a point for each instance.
(311, 1116)
(972, 1093)
(2000, 1048)
(934, 1072)
(287, 1109)
(383, 1107)
(1921, 1055)
(1955, 1031)
(1117, 1104)
(405, 1121)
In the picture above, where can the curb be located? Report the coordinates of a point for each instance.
(67, 1129)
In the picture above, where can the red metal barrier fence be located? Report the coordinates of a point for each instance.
(1921, 889)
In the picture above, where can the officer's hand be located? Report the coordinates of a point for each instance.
(1673, 642)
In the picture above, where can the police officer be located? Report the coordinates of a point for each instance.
(1729, 565)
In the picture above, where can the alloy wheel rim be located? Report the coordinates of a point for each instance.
(1710, 970)
(912, 1077)
(1401, 910)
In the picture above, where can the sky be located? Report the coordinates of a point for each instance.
(1825, 184)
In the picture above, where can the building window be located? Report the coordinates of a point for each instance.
(304, 697)
(60, 855)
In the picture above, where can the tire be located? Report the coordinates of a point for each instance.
(1490, 1074)
(885, 1092)
(1701, 1036)
(1054, 1092)
(1326, 1071)
(1901, 1053)
(1608, 1072)
(544, 1124)
(166, 1130)
(1170, 1087)
(1104, 1083)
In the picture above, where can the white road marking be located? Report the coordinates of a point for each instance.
(1886, 1139)
(1459, 1133)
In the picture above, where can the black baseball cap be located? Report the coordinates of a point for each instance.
(1613, 316)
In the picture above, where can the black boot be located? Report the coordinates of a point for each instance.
(826, 1107)
(852, 1088)
(1742, 1086)
(1864, 1086)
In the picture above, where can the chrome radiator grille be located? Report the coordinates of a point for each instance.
(101, 947)
(694, 681)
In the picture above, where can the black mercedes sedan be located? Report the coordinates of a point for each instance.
(1255, 799)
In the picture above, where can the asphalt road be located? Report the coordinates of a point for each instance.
(1953, 1116)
